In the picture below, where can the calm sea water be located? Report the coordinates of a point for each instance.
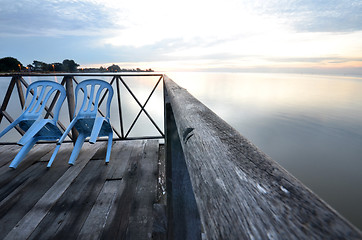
(310, 124)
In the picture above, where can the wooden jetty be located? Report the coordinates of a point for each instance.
(218, 186)
(89, 200)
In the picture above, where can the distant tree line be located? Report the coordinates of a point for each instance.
(10, 64)
(66, 66)
(115, 68)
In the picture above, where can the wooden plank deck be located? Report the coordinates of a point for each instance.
(90, 200)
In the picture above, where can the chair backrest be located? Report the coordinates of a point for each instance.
(86, 109)
(42, 91)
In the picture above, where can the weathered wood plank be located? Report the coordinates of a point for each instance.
(118, 222)
(67, 215)
(7, 153)
(93, 226)
(141, 218)
(100, 154)
(88, 202)
(70, 215)
(241, 193)
(129, 218)
(31, 220)
(16, 180)
(121, 157)
(183, 216)
(159, 228)
(27, 188)
(7, 174)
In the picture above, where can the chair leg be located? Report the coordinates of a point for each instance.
(109, 147)
(22, 153)
(96, 129)
(53, 156)
(71, 125)
(78, 145)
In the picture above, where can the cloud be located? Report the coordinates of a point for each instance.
(230, 34)
(315, 59)
(53, 18)
(316, 15)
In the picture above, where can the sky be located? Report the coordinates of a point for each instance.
(311, 36)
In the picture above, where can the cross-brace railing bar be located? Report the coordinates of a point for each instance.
(5, 103)
(143, 109)
(54, 101)
(7, 97)
(138, 102)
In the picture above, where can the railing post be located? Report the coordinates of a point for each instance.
(119, 106)
(71, 103)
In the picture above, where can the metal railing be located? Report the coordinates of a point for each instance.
(68, 80)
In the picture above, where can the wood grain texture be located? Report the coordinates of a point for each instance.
(145, 193)
(131, 216)
(20, 191)
(97, 218)
(31, 220)
(8, 174)
(7, 153)
(90, 200)
(240, 192)
(183, 216)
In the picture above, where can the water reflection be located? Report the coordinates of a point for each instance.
(311, 125)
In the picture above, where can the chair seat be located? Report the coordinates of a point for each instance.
(49, 131)
(26, 124)
(85, 126)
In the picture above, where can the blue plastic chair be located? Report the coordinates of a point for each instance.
(86, 121)
(31, 120)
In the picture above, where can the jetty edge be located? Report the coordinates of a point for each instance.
(234, 190)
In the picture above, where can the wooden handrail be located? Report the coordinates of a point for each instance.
(240, 192)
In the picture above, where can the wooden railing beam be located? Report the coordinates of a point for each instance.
(183, 217)
(240, 192)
